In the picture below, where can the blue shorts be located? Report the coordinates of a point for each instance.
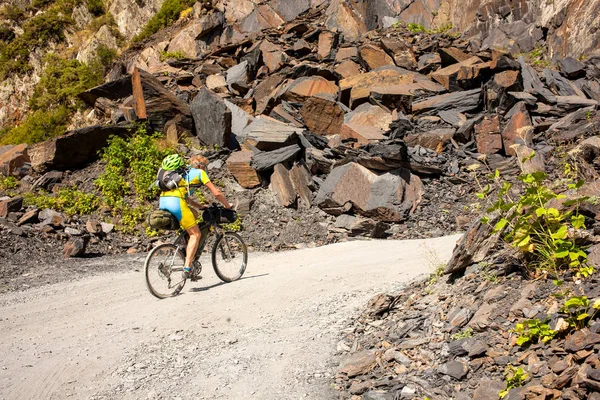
(179, 208)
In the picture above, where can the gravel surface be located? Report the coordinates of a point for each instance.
(271, 335)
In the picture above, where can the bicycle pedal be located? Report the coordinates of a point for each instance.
(196, 278)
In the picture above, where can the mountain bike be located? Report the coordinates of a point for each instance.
(164, 264)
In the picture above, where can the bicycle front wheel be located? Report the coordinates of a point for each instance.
(164, 271)
(229, 257)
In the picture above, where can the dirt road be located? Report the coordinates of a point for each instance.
(271, 335)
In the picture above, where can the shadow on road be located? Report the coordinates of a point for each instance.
(205, 288)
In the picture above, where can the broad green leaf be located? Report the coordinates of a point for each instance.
(561, 233)
(582, 316)
(500, 225)
(553, 212)
(561, 254)
(596, 304)
(485, 220)
(540, 211)
(524, 241)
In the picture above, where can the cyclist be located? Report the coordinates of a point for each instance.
(176, 201)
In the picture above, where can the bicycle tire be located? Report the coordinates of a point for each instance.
(237, 247)
(160, 269)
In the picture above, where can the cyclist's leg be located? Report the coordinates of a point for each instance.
(188, 222)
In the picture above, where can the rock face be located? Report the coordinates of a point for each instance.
(389, 197)
(74, 149)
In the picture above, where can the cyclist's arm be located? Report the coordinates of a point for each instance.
(218, 195)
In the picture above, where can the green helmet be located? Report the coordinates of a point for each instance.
(172, 162)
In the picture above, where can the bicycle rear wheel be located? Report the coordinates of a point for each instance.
(229, 257)
(164, 271)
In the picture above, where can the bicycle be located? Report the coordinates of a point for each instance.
(166, 260)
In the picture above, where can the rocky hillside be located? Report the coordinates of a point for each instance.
(79, 28)
(318, 134)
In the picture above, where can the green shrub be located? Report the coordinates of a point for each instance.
(416, 28)
(514, 377)
(37, 32)
(8, 182)
(532, 331)
(39, 126)
(95, 7)
(70, 200)
(12, 13)
(539, 231)
(176, 55)
(62, 80)
(130, 217)
(6, 35)
(577, 308)
(169, 12)
(465, 333)
(133, 160)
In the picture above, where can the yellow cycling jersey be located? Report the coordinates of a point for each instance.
(192, 177)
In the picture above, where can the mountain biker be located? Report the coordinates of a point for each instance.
(176, 201)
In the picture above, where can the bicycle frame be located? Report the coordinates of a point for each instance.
(206, 230)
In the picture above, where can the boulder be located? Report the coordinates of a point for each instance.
(459, 101)
(342, 17)
(367, 123)
(487, 135)
(269, 134)
(74, 149)
(281, 185)
(262, 17)
(93, 226)
(29, 217)
(13, 159)
(186, 40)
(272, 56)
(303, 88)
(238, 164)
(389, 197)
(374, 57)
(264, 160)
(75, 247)
(348, 69)
(322, 115)
(519, 130)
(401, 52)
(327, 43)
(436, 139)
(571, 68)
(10, 205)
(357, 89)
(448, 76)
(302, 180)
(452, 55)
(238, 78)
(212, 119)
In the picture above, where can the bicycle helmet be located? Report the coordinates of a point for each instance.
(172, 162)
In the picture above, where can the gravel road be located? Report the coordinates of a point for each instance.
(271, 335)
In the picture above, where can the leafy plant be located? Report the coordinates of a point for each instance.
(435, 276)
(12, 13)
(8, 182)
(176, 55)
(465, 333)
(533, 331)
(130, 217)
(514, 377)
(577, 308)
(69, 200)
(416, 28)
(133, 160)
(540, 231)
(39, 126)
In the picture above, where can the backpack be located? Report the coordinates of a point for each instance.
(168, 180)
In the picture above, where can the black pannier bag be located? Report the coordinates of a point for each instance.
(221, 216)
(163, 220)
